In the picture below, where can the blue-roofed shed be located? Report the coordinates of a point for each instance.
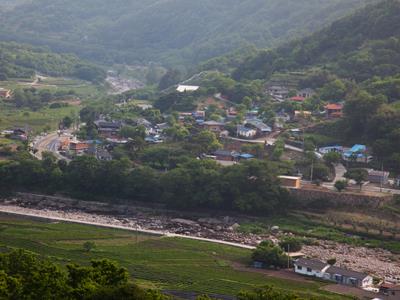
(357, 151)
(246, 156)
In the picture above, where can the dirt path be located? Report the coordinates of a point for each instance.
(283, 274)
(347, 290)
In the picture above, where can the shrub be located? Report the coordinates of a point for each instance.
(291, 244)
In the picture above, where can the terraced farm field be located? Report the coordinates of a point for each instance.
(153, 261)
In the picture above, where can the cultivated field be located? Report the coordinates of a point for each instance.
(158, 262)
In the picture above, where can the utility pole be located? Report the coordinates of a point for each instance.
(382, 175)
(312, 170)
(288, 256)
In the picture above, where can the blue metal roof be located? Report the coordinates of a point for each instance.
(358, 148)
(246, 156)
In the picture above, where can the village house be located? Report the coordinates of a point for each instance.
(161, 127)
(153, 139)
(261, 128)
(108, 129)
(381, 177)
(224, 155)
(347, 277)
(299, 99)
(390, 291)
(315, 268)
(103, 154)
(213, 126)
(150, 130)
(278, 92)
(281, 119)
(144, 106)
(64, 144)
(244, 156)
(19, 134)
(302, 114)
(199, 114)
(328, 149)
(334, 110)
(306, 93)
(5, 93)
(252, 114)
(77, 148)
(245, 132)
(357, 153)
(231, 113)
(310, 267)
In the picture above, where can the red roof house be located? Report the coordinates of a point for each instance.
(297, 99)
(334, 110)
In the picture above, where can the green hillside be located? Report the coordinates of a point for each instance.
(169, 31)
(358, 47)
(355, 60)
(23, 61)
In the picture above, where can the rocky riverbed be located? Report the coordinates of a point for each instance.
(377, 262)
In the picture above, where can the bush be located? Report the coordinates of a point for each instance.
(89, 246)
(340, 185)
(270, 255)
(291, 244)
(331, 261)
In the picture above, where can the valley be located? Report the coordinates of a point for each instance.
(169, 150)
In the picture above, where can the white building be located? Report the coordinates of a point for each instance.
(319, 269)
(310, 267)
(246, 132)
(187, 88)
(306, 93)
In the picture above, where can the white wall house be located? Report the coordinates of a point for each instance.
(310, 267)
(245, 132)
(316, 268)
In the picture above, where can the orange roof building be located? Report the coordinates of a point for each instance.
(297, 99)
(334, 110)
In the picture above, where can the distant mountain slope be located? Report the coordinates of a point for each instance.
(358, 47)
(22, 61)
(168, 30)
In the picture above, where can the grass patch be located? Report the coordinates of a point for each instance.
(37, 120)
(305, 226)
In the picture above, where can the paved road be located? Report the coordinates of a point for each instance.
(47, 215)
(48, 143)
(269, 141)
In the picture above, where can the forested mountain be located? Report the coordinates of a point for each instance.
(358, 47)
(165, 30)
(356, 60)
(22, 61)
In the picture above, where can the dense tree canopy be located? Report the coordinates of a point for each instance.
(250, 187)
(177, 31)
(24, 275)
(359, 47)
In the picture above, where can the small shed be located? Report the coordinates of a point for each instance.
(293, 182)
(381, 177)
